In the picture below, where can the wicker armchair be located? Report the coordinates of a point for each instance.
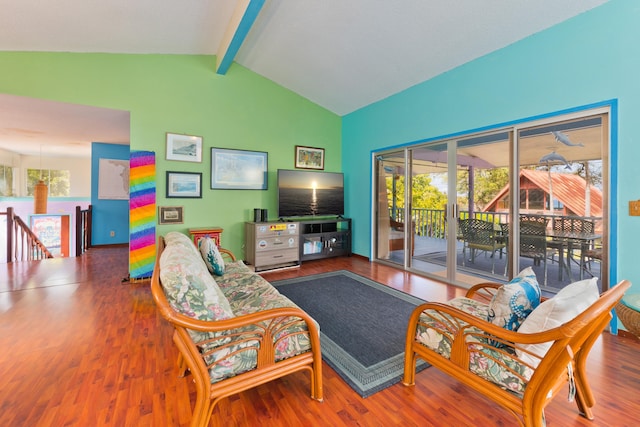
(472, 359)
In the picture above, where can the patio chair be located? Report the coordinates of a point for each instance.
(538, 219)
(568, 224)
(589, 256)
(479, 235)
(533, 243)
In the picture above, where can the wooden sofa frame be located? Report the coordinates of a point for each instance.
(208, 394)
(572, 342)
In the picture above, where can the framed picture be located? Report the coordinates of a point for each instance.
(309, 157)
(170, 215)
(185, 148)
(184, 185)
(238, 169)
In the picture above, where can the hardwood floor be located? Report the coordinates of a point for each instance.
(82, 348)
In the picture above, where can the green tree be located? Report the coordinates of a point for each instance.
(424, 194)
(487, 183)
(58, 181)
(6, 181)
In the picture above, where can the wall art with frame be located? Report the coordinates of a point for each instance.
(309, 157)
(170, 215)
(187, 185)
(238, 169)
(185, 148)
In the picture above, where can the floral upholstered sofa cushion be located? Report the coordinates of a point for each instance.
(436, 331)
(189, 286)
(192, 290)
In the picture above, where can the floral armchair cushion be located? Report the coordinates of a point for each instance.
(436, 330)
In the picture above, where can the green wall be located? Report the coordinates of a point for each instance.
(182, 94)
(589, 59)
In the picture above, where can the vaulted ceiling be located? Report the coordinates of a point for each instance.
(340, 54)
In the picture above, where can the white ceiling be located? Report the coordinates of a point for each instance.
(340, 54)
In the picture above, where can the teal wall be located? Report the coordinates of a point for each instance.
(183, 94)
(107, 215)
(589, 59)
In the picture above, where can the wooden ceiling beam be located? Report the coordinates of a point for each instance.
(241, 22)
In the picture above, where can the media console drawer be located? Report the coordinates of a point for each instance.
(276, 243)
(272, 244)
(277, 257)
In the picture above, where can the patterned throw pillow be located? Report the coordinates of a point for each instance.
(513, 301)
(211, 255)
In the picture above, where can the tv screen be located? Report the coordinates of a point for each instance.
(305, 193)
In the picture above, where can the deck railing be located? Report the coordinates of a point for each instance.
(432, 222)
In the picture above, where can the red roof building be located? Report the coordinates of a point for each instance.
(569, 193)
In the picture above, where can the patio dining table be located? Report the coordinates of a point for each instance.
(571, 238)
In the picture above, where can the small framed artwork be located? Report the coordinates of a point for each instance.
(186, 185)
(170, 215)
(185, 148)
(309, 157)
(238, 169)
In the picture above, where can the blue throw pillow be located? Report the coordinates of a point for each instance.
(211, 255)
(514, 301)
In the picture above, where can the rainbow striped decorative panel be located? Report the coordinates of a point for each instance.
(142, 214)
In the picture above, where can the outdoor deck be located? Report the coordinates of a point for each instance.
(430, 256)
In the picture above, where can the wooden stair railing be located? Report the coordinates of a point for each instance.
(22, 243)
(83, 229)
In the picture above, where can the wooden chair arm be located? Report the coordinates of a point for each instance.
(227, 252)
(247, 320)
(483, 292)
(462, 321)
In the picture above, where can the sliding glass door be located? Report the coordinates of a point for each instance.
(391, 238)
(450, 183)
(563, 182)
(465, 208)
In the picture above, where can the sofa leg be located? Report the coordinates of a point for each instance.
(316, 383)
(409, 377)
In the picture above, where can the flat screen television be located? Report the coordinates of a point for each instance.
(306, 193)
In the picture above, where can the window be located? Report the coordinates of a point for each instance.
(6, 181)
(58, 181)
(536, 199)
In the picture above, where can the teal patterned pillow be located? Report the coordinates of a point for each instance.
(513, 302)
(211, 255)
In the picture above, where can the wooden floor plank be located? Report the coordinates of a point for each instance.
(82, 348)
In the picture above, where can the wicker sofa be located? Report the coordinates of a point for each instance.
(457, 338)
(234, 331)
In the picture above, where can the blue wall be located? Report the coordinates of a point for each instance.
(108, 215)
(589, 59)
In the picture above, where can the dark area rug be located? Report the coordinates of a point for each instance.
(362, 325)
